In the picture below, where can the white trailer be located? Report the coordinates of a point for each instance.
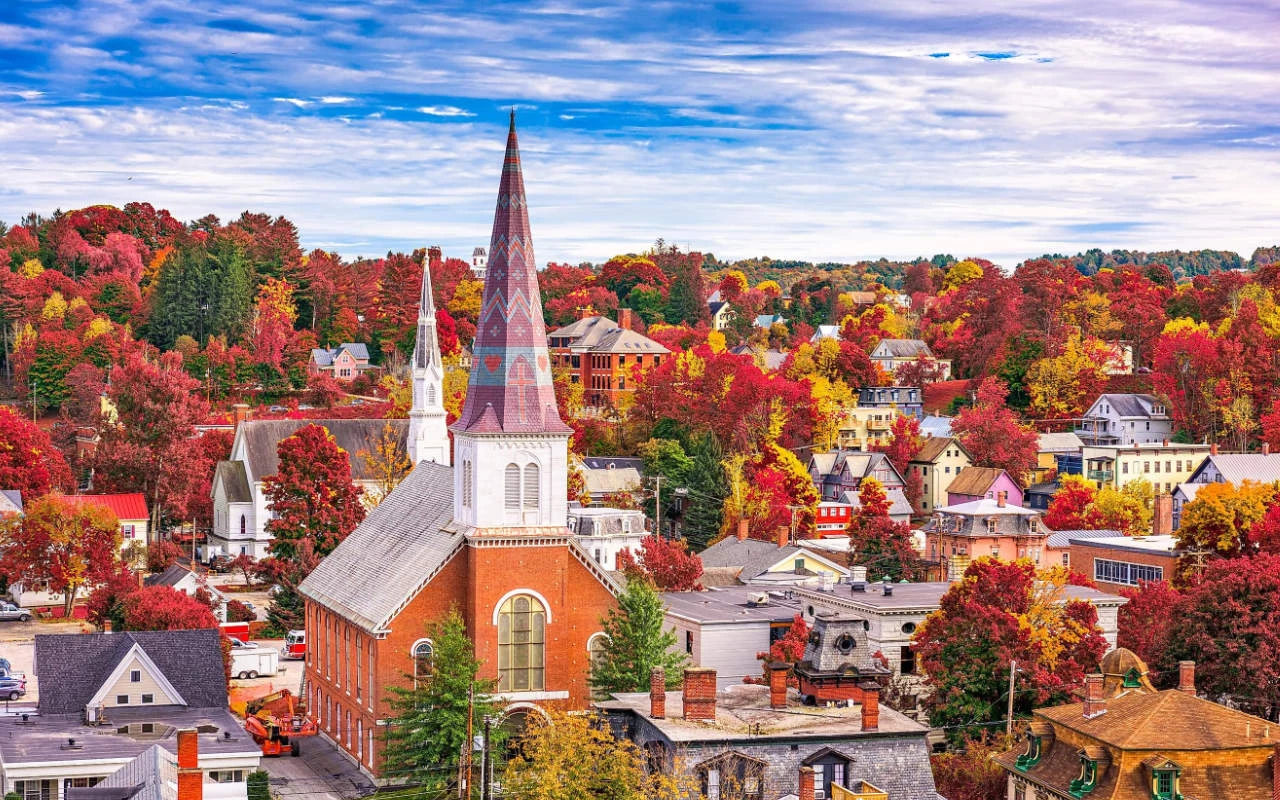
(254, 662)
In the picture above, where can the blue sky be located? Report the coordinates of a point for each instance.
(813, 129)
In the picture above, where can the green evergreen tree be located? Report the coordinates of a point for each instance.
(636, 642)
(258, 785)
(708, 488)
(203, 290)
(428, 727)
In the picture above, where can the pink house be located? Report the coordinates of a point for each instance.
(983, 483)
(960, 533)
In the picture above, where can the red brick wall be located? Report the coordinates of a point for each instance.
(1082, 556)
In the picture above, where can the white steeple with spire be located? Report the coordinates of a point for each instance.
(428, 434)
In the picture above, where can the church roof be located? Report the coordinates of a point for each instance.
(511, 390)
(396, 550)
(262, 438)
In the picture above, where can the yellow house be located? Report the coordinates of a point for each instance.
(1164, 466)
(938, 463)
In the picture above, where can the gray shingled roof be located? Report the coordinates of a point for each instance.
(902, 348)
(152, 775)
(14, 497)
(263, 436)
(235, 482)
(1240, 467)
(734, 552)
(1060, 539)
(1133, 405)
(72, 667)
(397, 548)
(170, 577)
(358, 349)
(621, 340)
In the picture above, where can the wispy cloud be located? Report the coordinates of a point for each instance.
(445, 111)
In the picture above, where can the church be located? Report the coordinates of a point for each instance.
(483, 530)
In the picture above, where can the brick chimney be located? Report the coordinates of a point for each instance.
(190, 778)
(1275, 773)
(806, 783)
(1213, 449)
(784, 536)
(626, 319)
(1094, 703)
(240, 413)
(657, 693)
(700, 694)
(106, 626)
(1187, 677)
(778, 671)
(870, 707)
(1001, 499)
(744, 528)
(1162, 516)
(1266, 448)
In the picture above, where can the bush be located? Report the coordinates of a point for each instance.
(239, 612)
(258, 785)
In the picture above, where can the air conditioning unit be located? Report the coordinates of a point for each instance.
(758, 599)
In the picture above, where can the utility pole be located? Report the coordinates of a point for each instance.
(1008, 725)
(657, 503)
(793, 510)
(464, 777)
(486, 777)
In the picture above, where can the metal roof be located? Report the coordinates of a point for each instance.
(130, 506)
(262, 437)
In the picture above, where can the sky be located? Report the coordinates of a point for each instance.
(823, 130)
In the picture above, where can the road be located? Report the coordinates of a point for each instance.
(320, 773)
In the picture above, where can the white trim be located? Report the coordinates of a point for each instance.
(175, 698)
(516, 697)
(592, 638)
(545, 605)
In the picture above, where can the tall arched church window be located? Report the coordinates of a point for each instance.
(423, 654)
(243, 525)
(521, 644)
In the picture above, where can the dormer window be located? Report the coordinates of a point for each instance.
(1132, 679)
(1165, 777)
(1093, 762)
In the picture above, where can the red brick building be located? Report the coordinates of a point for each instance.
(1119, 562)
(486, 536)
(604, 356)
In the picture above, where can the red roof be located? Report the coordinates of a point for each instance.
(124, 506)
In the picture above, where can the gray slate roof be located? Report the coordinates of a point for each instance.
(235, 481)
(899, 506)
(734, 552)
(902, 348)
(1060, 539)
(263, 436)
(170, 577)
(325, 357)
(397, 548)
(606, 462)
(1239, 467)
(153, 775)
(1133, 405)
(72, 667)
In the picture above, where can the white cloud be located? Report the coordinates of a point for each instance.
(444, 111)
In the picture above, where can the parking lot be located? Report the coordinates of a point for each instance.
(18, 644)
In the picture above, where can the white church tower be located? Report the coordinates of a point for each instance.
(428, 434)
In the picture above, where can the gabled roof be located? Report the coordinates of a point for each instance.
(1240, 467)
(734, 552)
(170, 577)
(73, 667)
(767, 320)
(358, 350)
(153, 775)
(935, 446)
(585, 332)
(974, 481)
(393, 553)
(235, 481)
(624, 341)
(322, 357)
(765, 561)
(1067, 442)
(124, 506)
(262, 437)
(987, 507)
(825, 332)
(714, 306)
(935, 426)
(1189, 490)
(898, 503)
(1170, 720)
(1137, 406)
(10, 501)
(613, 462)
(902, 348)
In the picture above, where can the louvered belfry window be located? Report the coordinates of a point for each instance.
(513, 487)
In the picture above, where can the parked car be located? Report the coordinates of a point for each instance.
(13, 687)
(220, 563)
(277, 409)
(10, 612)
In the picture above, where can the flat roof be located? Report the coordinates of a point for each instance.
(924, 596)
(743, 714)
(730, 604)
(1164, 544)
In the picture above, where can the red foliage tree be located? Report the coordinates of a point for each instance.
(1068, 510)
(105, 602)
(70, 546)
(875, 540)
(992, 434)
(28, 460)
(163, 608)
(312, 497)
(1145, 623)
(665, 563)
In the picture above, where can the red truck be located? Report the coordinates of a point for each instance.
(295, 645)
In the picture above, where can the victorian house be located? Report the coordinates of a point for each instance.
(483, 531)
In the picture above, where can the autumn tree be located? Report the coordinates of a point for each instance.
(992, 433)
(905, 443)
(312, 497)
(667, 564)
(273, 318)
(1217, 522)
(163, 608)
(968, 771)
(1001, 612)
(106, 602)
(386, 459)
(636, 642)
(875, 540)
(29, 462)
(68, 545)
(1145, 623)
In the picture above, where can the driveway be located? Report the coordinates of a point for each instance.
(320, 773)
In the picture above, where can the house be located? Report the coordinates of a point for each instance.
(108, 698)
(1127, 741)
(741, 559)
(767, 321)
(1038, 496)
(604, 475)
(1183, 494)
(344, 362)
(831, 332)
(479, 263)
(158, 774)
(604, 357)
(833, 517)
(722, 314)
(130, 509)
(1125, 419)
(486, 535)
(240, 512)
(890, 354)
(770, 360)
(841, 472)
(1057, 547)
(1058, 452)
(606, 532)
(960, 533)
(1118, 562)
(983, 483)
(940, 460)
(182, 579)
(899, 508)
(1233, 468)
(724, 628)
(1162, 465)
(10, 503)
(761, 742)
(935, 426)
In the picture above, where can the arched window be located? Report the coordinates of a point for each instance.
(423, 653)
(243, 525)
(513, 487)
(466, 484)
(521, 644)
(595, 656)
(532, 486)
(431, 394)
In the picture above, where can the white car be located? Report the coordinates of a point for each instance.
(10, 612)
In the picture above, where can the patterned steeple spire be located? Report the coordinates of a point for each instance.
(511, 389)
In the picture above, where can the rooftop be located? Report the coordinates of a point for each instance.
(731, 604)
(925, 596)
(1136, 544)
(124, 506)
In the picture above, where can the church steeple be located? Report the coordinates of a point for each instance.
(511, 445)
(428, 438)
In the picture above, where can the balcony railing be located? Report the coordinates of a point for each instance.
(1101, 475)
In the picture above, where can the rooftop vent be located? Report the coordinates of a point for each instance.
(72, 745)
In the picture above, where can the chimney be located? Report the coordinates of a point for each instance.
(858, 574)
(870, 707)
(743, 529)
(106, 626)
(806, 783)
(1094, 703)
(240, 413)
(700, 694)
(657, 693)
(1266, 448)
(1162, 516)
(784, 536)
(1213, 449)
(778, 684)
(1187, 677)
(625, 319)
(1001, 499)
(1165, 443)
(435, 255)
(190, 778)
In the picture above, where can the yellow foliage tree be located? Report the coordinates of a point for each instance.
(465, 303)
(716, 341)
(960, 273)
(1060, 385)
(387, 461)
(101, 326)
(1127, 509)
(1221, 514)
(31, 268)
(54, 308)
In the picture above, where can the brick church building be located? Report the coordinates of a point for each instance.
(480, 527)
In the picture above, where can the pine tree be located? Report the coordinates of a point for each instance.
(428, 727)
(708, 487)
(636, 643)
